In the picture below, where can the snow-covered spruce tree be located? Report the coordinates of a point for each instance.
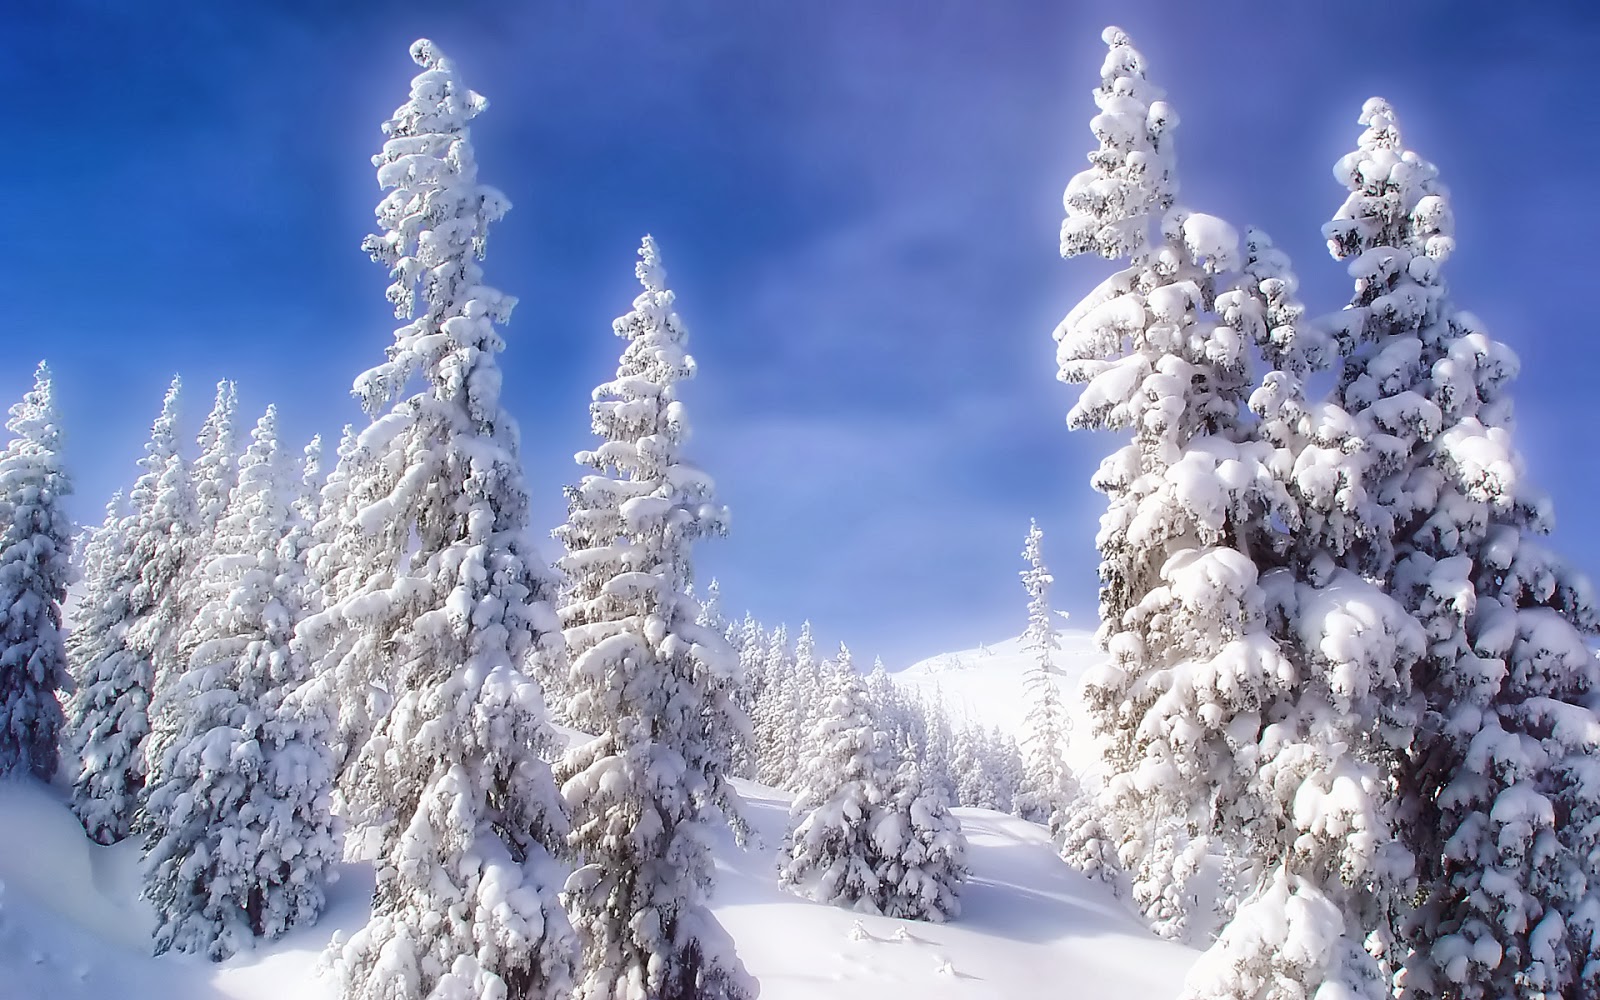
(933, 743)
(807, 697)
(217, 468)
(656, 689)
(339, 563)
(893, 711)
(829, 854)
(710, 615)
(1047, 785)
(749, 641)
(212, 476)
(1255, 694)
(128, 614)
(1180, 604)
(976, 769)
(1087, 845)
(35, 567)
(1498, 792)
(770, 717)
(921, 847)
(241, 839)
(1003, 763)
(443, 599)
(305, 509)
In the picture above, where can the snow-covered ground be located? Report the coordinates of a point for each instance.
(72, 926)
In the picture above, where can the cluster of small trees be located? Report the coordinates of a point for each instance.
(1340, 658)
(788, 688)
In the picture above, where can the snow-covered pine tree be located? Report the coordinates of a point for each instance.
(35, 568)
(749, 641)
(1251, 704)
(306, 508)
(973, 769)
(655, 688)
(934, 741)
(217, 468)
(339, 563)
(241, 839)
(212, 476)
(1181, 606)
(1006, 767)
(710, 615)
(125, 624)
(807, 696)
(773, 711)
(1047, 785)
(1087, 845)
(921, 847)
(829, 854)
(1498, 791)
(892, 710)
(442, 599)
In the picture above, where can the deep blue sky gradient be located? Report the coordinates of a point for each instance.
(858, 204)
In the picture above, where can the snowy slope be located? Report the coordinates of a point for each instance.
(71, 925)
(988, 685)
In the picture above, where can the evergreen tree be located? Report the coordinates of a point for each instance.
(936, 746)
(710, 615)
(241, 840)
(829, 854)
(305, 510)
(35, 553)
(437, 601)
(1087, 845)
(1047, 785)
(128, 621)
(774, 713)
(749, 641)
(1256, 691)
(1498, 788)
(972, 769)
(217, 469)
(922, 848)
(211, 479)
(656, 687)
(892, 710)
(337, 560)
(804, 702)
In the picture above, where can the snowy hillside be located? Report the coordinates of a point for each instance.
(71, 925)
(987, 685)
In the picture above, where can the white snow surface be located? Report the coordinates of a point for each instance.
(988, 685)
(72, 925)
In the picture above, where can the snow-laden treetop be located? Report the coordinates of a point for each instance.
(1132, 178)
(435, 223)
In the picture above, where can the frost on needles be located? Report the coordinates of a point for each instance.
(444, 602)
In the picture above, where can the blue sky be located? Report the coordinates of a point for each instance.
(858, 205)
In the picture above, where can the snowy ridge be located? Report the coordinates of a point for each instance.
(987, 685)
(72, 927)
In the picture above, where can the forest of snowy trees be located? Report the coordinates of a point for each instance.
(1348, 684)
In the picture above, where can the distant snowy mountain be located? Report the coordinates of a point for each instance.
(72, 926)
(987, 685)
